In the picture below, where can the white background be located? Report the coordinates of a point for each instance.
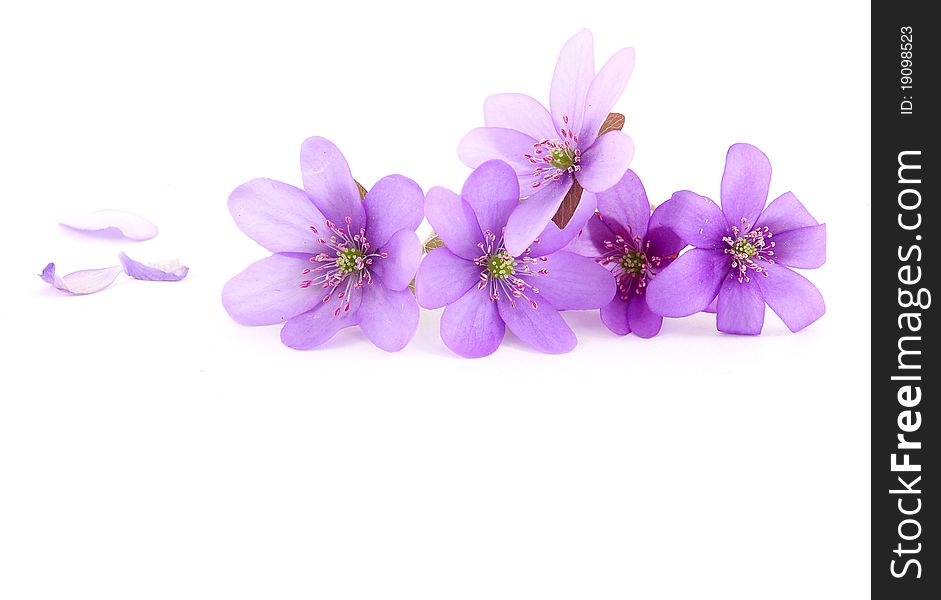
(152, 448)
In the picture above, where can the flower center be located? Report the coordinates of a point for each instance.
(631, 262)
(748, 247)
(501, 265)
(350, 259)
(506, 277)
(554, 158)
(344, 263)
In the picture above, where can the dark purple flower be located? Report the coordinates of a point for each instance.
(742, 253)
(485, 287)
(634, 246)
(338, 261)
(550, 151)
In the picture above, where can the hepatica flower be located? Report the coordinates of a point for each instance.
(338, 261)
(634, 246)
(550, 150)
(742, 255)
(486, 286)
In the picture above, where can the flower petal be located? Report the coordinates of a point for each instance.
(471, 326)
(128, 224)
(493, 191)
(803, 248)
(663, 240)
(574, 71)
(329, 183)
(531, 216)
(393, 204)
(520, 112)
(443, 277)
(404, 254)
(574, 282)
(318, 325)
(80, 283)
(389, 318)
(604, 163)
(454, 222)
(552, 239)
(740, 308)
(603, 93)
(713, 306)
(689, 284)
(277, 215)
(795, 299)
(269, 291)
(591, 239)
(697, 220)
(614, 314)
(785, 213)
(170, 270)
(624, 207)
(644, 322)
(489, 143)
(543, 327)
(745, 184)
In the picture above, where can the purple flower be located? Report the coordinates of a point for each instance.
(550, 151)
(338, 261)
(487, 288)
(634, 246)
(742, 253)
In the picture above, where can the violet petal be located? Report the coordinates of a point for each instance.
(606, 161)
(489, 143)
(443, 277)
(80, 283)
(573, 282)
(740, 308)
(745, 184)
(689, 284)
(472, 326)
(791, 296)
(170, 270)
(644, 322)
(614, 315)
(542, 327)
(520, 112)
(454, 222)
(329, 183)
(604, 91)
(128, 224)
(389, 318)
(574, 72)
(318, 325)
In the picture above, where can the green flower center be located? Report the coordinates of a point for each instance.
(633, 262)
(349, 259)
(742, 247)
(501, 265)
(562, 158)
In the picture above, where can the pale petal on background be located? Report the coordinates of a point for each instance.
(131, 226)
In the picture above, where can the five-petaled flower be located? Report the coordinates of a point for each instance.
(634, 246)
(741, 253)
(486, 286)
(338, 260)
(549, 151)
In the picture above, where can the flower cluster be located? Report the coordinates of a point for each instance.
(551, 219)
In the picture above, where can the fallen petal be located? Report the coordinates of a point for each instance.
(83, 282)
(128, 224)
(168, 270)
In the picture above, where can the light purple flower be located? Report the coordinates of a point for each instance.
(338, 261)
(549, 151)
(634, 246)
(485, 287)
(742, 254)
